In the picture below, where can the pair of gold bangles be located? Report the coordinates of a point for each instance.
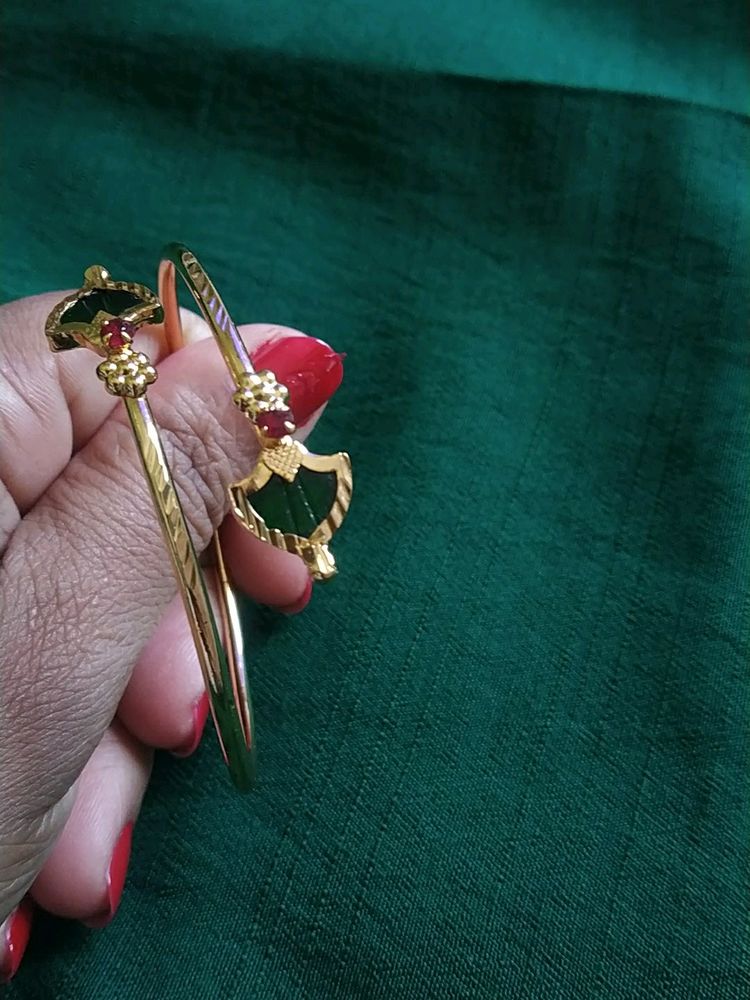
(291, 499)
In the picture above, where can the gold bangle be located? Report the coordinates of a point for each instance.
(103, 316)
(292, 499)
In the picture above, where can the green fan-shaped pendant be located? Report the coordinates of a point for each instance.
(296, 501)
(113, 301)
(77, 320)
(296, 508)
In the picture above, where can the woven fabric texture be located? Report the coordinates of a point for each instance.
(505, 753)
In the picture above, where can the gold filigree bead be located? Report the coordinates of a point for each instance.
(126, 372)
(259, 393)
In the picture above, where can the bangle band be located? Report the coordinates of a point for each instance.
(291, 499)
(104, 316)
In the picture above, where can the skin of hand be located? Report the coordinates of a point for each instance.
(97, 667)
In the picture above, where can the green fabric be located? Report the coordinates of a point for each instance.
(505, 753)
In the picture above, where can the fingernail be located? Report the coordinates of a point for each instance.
(200, 714)
(301, 603)
(118, 869)
(15, 938)
(309, 368)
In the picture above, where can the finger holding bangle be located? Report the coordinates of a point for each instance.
(104, 316)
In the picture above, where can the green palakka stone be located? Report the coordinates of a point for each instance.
(296, 508)
(113, 301)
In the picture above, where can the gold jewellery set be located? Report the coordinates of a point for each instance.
(291, 499)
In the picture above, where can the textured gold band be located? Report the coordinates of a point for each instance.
(221, 662)
(92, 318)
(226, 595)
(210, 303)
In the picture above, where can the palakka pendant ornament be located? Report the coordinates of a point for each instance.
(296, 501)
(292, 499)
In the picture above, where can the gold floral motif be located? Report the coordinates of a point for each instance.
(260, 392)
(127, 372)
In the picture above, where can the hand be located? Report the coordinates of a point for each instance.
(97, 666)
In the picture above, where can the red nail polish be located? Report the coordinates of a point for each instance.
(15, 939)
(309, 368)
(200, 714)
(301, 603)
(118, 869)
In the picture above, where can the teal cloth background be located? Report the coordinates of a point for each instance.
(505, 755)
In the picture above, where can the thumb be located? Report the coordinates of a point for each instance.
(85, 579)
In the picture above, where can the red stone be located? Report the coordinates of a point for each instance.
(276, 423)
(116, 333)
